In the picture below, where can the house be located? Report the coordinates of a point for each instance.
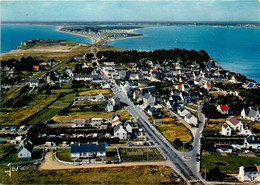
(148, 99)
(224, 148)
(251, 114)
(182, 112)
(251, 85)
(109, 107)
(225, 130)
(99, 97)
(115, 120)
(252, 142)
(35, 68)
(185, 97)
(115, 101)
(120, 132)
(96, 121)
(207, 86)
(223, 109)
(105, 85)
(245, 131)
(26, 150)
(128, 127)
(13, 128)
(154, 112)
(234, 123)
(34, 83)
(88, 150)
(191, 119)
(172, 104)
(177, 99)
(249, 173)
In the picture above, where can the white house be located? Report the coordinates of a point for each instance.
(224, 148)
(251, 114)
(109, 107)
(245, 131)
(120, 132)
(223, 109)
(148, 99)
(128, 127)
(115, 120)
(234, 123)
(249, 173)
(225, 130)
(252, 142)
(26, 150)
(34, 83)
(191, 119)
(182, 112)
(88, 150)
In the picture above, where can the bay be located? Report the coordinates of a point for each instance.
(13, 35)
(235, 49)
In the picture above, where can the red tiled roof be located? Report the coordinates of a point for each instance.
(180, 85)
(258, 168)
(233, 120)
(224, 107)
(36, 67)
(115, 121)
(208, 84)
(154, 70)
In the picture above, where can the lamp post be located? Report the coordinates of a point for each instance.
(10, 170)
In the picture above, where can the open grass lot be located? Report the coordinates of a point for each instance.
(88, 115)
(122, 175)
(214, 124)
(106, 92)
(5, 148)
(64, 154)
(226, 164)
(173, 129)
(13, 157)
(253, 125)
(63, 102)
(140, 154)
(14, 116)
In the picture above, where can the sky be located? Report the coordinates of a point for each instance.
(131, 10)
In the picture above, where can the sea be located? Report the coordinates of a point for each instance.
(234, 48)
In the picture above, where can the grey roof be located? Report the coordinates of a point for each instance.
(252, 139)
(27, 145)
(116, 128)
(252, 112)
(250, 169)
(153, 110)
(77, 148)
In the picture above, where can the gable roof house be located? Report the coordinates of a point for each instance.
(26, 150)
(182, 111)
(245, 131)
(128, 127)
(96, 121)
(234, 123)
(115, 120)
(115, 101)
(252, 141)
(251, 114)
(34, 83)
(120, 132)
(249, 173)
(225, 130)
(223, 109)
(148, 99)
(88, 150)
(109, 107)
(172, 104)
(185, 97)
(154, 112)
(191, 119)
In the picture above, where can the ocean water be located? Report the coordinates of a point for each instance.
(235, 49)
(13, 35)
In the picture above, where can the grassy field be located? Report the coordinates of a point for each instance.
(88, 115)
(122, 175)
(173, 129)
(214, 124)
(140, 154)
(13, 157)
(14, 116)
(5, 148)
(106, 92)
(253, 125)
(64, 154)
(226, 164)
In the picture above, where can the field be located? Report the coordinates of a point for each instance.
(226, 164)
(122, 175)
(88, 115)
(106, 92)
(172, 129)
(5, 148)
(140, 154)
(215, 124)
(14, 116)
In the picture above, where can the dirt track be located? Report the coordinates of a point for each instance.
(50, 163)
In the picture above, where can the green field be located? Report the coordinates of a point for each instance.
(140, 154)
(226, 164)
(119, 175)
(64, 154)
(5, 148)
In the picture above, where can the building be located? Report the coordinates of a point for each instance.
(26, 150)
(182, 112)
(252, 142)
(224, 148)
(34, 83)
(223, 109)
(225, 130)
(251, 114)
(191, 119)
(148, 99)
(152, 111)
(88, 150)
(109, 107)
(249, 173)
(115, 120)
(245, 131)
(79, 123)
(120, 132)
(234, 123)
(96, 121)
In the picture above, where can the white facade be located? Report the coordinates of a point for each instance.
(120, 132)
(225, 130)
